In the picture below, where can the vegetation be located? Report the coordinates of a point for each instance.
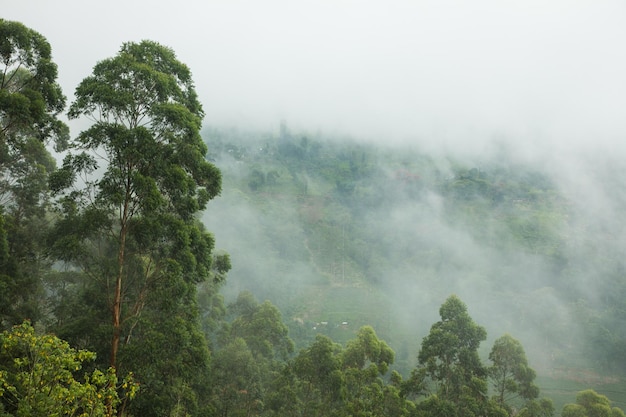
(38, 377)
(114, 300)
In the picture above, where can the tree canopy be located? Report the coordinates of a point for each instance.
(30, 97)
(130, 224)
(38, 376)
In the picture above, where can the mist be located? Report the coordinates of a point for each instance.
(444, 73)
(390, 254)
(531, 84)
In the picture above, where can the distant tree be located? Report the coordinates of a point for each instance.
(537, 408)
(253, 336)
(236, 381)
(449, 361)
(318, 368)
(325, 379)
(261, 326)
(38, 377)
(449, 353)
(591, 404)
(366, 359)
(510, 374)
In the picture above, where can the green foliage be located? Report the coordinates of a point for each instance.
(319, 367)
(591, 404)
(24, 201)
(449, 362)
(449, 354)
(259, 325)
(537, 408)
(236, 380)
(30, 101)
(510, 374)
(30, 97)
(39, 376)
(325, 379)
(249, 352)
(130, 225)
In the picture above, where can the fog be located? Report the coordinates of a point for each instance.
(540, 82)
(305, 251)
(449, 72)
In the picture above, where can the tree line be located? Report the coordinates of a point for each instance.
(109, 283)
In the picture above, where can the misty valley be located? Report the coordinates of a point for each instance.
(153, 264)
(340, 234)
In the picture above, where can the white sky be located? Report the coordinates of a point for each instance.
(453, 71)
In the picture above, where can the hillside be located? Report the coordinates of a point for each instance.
(339, 234)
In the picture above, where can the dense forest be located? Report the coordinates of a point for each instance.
(151, 265)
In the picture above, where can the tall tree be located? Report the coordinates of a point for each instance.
(449, 353)
(449, 361)
(30, 97)
(511, 377)
(30, 101)
(366, 360)
(129, 199)
(146, 128)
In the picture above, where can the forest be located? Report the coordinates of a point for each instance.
(154, 265)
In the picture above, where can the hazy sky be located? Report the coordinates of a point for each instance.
(422, 70)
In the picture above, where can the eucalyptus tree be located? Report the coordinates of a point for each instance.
(320, 380)
(449, 353)
(326, 379)
(30, 97)
(30, 102)
(130, 192)
(251, 332)
(365, 361)
(449, 362)
(512, 379)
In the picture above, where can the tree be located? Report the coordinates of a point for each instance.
(321, 380)
(591, 404)
(30, 101)
(128, 201)
(24, 204)
(236, 380)
(261, 326)
(140, 210)
(38, 376)
(252, 332)
(449, 362)
(510, 374)
(537, 408)
(449, 353)
(365, 361)
(30, 97)
(324, 379)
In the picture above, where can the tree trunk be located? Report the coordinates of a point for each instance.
(117, 303)
(117, 298)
